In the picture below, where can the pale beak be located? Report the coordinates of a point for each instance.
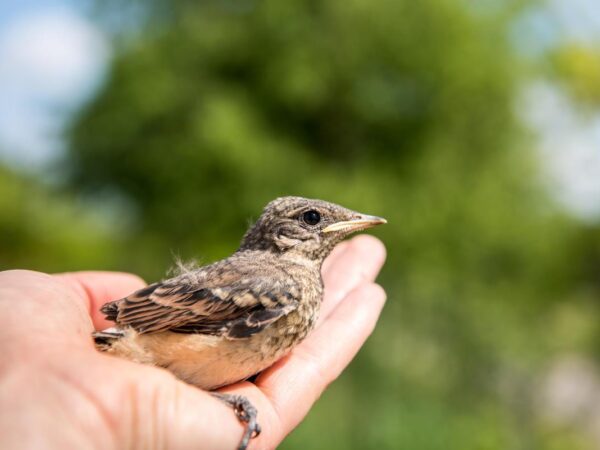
(360, 223)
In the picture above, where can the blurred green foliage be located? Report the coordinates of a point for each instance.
(397, 108)
(577, 67)
(41, 230)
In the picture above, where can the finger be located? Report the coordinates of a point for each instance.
(291, 386)
(361, 260)
(98, 288)
(36, 306)
(334, 256)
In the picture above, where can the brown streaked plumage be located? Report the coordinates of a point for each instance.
(224, 322)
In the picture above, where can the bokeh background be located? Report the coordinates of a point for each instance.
(131, 132)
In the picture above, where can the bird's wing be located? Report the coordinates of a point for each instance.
(231, 303)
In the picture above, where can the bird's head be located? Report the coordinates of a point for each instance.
(305, 226)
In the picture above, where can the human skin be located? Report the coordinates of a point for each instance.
(58, 392)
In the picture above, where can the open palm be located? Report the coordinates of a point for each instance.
(57, 391)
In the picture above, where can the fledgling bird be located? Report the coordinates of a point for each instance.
(225, 322)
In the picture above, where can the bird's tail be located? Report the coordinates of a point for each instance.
(104, 339)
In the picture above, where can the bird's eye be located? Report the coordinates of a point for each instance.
(311, 217)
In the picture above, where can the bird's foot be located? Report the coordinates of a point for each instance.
(245, 412)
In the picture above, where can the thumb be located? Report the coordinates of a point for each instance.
(38, 307)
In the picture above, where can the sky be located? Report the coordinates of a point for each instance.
(568, 141)
(568, 147)
(53, 58)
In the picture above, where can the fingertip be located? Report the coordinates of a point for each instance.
(369, 245)
(336, 253)
(362, 306)
(358, 263)
(373, 291)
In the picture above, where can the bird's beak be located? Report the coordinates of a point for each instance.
(360, 223)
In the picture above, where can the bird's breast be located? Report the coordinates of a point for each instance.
(295, 326)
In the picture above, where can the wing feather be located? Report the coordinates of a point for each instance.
(220, 299)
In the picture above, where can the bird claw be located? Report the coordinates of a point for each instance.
(245, 412)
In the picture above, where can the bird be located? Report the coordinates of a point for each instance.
(225, 322)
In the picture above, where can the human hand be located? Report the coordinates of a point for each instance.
(57, 391)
